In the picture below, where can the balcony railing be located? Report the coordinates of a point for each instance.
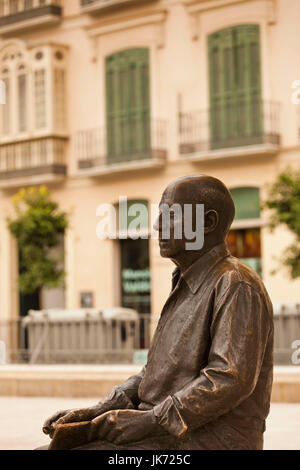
(41, 157)
(22, 14)
(94, 6)
(136, 143)
(233, 125)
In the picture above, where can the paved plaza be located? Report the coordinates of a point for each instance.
(21, 421)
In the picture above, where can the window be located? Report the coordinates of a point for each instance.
(32, 84)
(28, 4)
(13, 6)
(246, 200)
(6, 107)
(22, 98)
(235, 87)
(246, 245)
(135, 275)
(59, 98)
(135, 268)
(128, 105)
(40, 98)
(2, 7)
(244, 242)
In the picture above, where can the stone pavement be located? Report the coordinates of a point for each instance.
(21, 421)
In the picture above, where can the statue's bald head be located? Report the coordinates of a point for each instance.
(207, 190)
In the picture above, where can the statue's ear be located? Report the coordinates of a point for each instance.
(211, 220)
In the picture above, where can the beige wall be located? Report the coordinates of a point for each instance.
(176, 34)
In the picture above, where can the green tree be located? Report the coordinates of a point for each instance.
(38, 226)
(283, 199)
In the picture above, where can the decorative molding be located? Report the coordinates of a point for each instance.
(272, 11)
(196, 7)
(94, 48)
(195, 25)
(12, 46)
(95, 31)
(160, 34)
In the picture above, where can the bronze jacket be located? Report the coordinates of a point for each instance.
(210, 365)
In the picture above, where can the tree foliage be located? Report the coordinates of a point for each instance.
(38, 226)
(284, 202)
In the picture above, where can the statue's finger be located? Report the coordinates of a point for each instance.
(68, 418)
(101, 418)
(52, 418)
(101, 425)
(48, 423)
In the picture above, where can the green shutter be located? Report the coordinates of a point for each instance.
(246, 201)
(235, 86)
(128, 105)
(125, 219)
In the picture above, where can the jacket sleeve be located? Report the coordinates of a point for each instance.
(124, 396)
(130, 387)
(239, 333)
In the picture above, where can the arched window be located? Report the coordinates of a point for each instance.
(35, 90)
(244, 240)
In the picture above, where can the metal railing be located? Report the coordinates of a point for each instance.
(13, 7)
(95, 340)
(39, 152)
(286, 331)
(234, 124)
(93, 5)
(89, 340)
(121, 142)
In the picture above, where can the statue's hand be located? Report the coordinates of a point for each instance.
(116, 400)
(71, 416)
(47, 427)
(123, 426)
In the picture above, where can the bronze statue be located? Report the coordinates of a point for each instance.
(208, 379)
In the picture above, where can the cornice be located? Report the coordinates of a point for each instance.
(124, 22)
(197, 7)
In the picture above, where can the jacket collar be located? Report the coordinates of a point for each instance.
(198, 271)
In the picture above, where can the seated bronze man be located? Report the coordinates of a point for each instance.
(208, 379)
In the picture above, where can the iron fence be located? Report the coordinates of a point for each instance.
(113, 341)
(13, 7)
(286, 332)
(230, 124)
(88, 340)
(33, 153)
(122, 141)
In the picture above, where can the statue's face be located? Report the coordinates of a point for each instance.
(170, 247)
(197, 224)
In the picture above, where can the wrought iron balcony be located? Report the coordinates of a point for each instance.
(16, 15)
(246, 127)
(122, 147)
(95, 6)
(38, 160)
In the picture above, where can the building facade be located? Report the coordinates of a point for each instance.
(108, 98)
